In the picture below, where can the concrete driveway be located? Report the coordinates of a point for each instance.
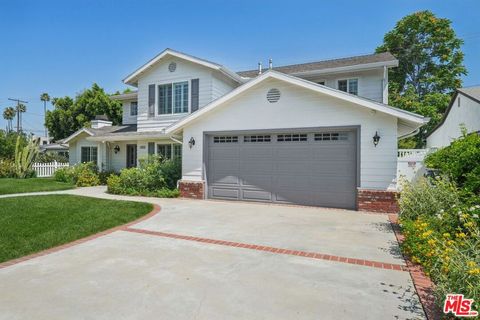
(220, 260)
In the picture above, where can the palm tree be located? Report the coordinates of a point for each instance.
(45, 97)
(9, 114)
(21, 108)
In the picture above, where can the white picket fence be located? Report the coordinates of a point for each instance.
(410, 164)
(48, 169)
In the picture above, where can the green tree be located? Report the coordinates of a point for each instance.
(7, 143)
(9, 114)
(430, 67)
(45, 97)
(69, 115)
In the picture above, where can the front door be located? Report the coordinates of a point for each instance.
(131, 155)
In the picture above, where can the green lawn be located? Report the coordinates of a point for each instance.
(9, 186)
(34, 223)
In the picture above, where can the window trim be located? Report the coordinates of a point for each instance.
(348, 85)
(172, 83)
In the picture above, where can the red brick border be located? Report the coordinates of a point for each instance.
(423, 284)
(313, 255)
(156, 209)
(382, 201)
(191, 189)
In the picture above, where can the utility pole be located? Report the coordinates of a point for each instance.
(19, 124)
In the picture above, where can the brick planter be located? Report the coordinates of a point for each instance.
(377, 201)
(191, 189)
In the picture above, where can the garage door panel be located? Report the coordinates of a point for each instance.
(308, 172)
(259, 167)
(264, 182)
(225, 193)
(256, 195)
(226, 178)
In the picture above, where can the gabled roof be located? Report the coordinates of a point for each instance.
(133, 77)
(125, 96)
(469, 92)
(271, 74)
(364, 61)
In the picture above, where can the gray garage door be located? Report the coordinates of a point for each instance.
(315, 168)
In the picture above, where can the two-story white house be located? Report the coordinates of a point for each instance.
(319, 133)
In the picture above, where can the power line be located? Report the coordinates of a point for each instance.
(19, 114)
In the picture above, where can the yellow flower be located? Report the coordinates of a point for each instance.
(471, 264)
(469, 224)
(474, 271)
(461, 235)
(432, 242)
(446, 235)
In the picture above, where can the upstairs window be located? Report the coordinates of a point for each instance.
(173, 98)
(348, 85)
(133, 108)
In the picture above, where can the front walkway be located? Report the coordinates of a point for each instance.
(220, 260)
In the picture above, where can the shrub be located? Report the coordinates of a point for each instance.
(104, 175)
(47, 157)
(154, 177)
(82, 175)
(64, 175)
(7, 168)
(427, 197)
(24, 157)
(460, 161)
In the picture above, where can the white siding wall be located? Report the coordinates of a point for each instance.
(468, 114)
(221, 87)
(299, 108)
(126, 117)
(185, 71)
(370, 83)
(75, 149)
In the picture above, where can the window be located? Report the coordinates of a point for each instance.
(257, 138)
(89, 154)
(348, 85)
(165, 99)
(151, 148)
(321, 82)
(169, 151)
(177, 151)
(458, 102)
(225, 139)
(133, 108)
(180, 100)
(164, 150)
(292, 137)
(173, 98)
(331, 136)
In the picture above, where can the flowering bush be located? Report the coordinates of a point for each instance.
(444, 240)
(82, 175)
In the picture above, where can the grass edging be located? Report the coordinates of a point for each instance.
(156, 209)
(424, 286)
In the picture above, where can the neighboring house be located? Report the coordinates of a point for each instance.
(463, 110)
(58, 148)
(300, 134)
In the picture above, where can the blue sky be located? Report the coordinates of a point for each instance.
(62, 47)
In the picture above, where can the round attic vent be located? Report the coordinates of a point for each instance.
(273, 95)
(172, 66)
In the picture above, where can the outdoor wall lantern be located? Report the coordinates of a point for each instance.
(116, 149)
(191, 142)
(376, 139)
